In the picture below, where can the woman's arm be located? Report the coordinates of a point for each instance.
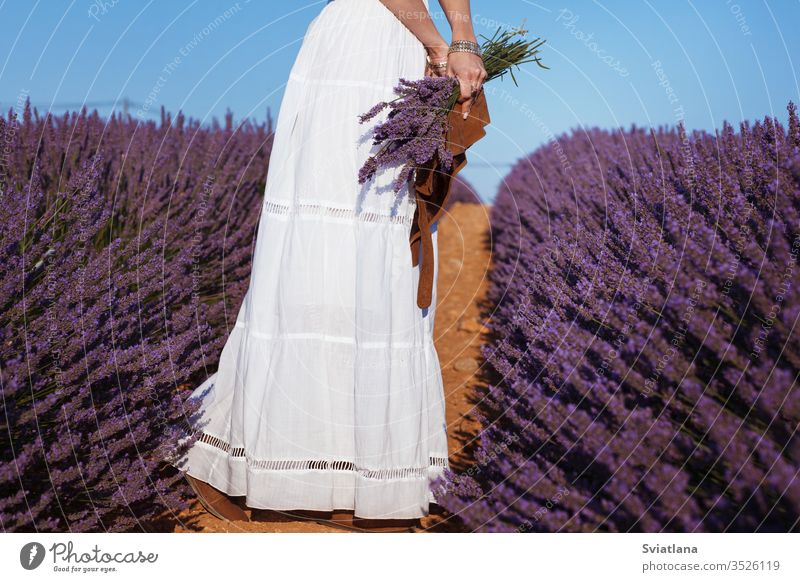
(466, 67)
(415, 16)
(460, 18)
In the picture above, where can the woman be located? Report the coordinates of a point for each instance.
(329, 394)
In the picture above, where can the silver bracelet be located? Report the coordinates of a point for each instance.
(466, 46)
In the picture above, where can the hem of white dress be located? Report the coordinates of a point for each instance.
(313, 489)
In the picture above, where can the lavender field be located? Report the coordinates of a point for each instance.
(644, 356)
(642, 364)
(125, 254)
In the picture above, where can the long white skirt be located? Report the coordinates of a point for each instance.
(329, 392)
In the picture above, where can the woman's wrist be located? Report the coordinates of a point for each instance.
(438, 49)
(466, 38)
(438, 53)
(464, 31)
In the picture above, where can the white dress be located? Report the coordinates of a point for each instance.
(329, 392)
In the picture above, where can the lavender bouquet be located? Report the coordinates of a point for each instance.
(415, 130)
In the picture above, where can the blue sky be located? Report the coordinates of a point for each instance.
(613, 63)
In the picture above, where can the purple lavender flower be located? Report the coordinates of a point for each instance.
(642, 371)
(414, 131)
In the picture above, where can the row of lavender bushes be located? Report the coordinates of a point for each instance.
(462, 191)
(644, 351)
(125, 254)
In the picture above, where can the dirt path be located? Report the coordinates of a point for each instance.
(462, 280)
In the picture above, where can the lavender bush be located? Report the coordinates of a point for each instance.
(461, 190)
(125, 253)
(645, 351)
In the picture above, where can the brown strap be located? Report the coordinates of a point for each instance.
(425, 286)
(432, 188)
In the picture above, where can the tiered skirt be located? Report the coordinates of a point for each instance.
(329, 393)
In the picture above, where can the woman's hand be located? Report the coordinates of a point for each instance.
(469, 70)
(436, 54)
